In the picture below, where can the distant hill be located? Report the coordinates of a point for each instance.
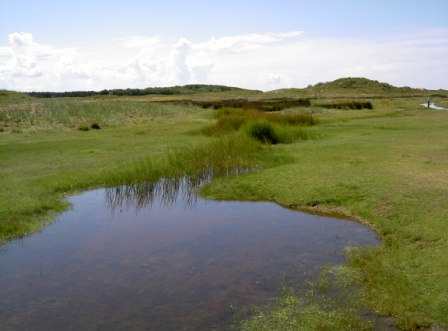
(350, 87)
(357, 87)
(12, 97)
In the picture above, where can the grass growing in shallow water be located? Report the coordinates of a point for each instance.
(217, 158)
(293, 313)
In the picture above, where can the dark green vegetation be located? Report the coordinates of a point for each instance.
(187, 89)
(386, 166)
(348, 105)
(262, 105)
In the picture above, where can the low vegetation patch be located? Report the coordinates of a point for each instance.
(348, 105)
(32, 114)
(230, 120)
(270, 105)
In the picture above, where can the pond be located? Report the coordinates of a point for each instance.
(432, 105)
(159, 261)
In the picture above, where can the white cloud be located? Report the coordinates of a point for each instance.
(32, 66)
(141, 42)
(243, 43)
(260, 61)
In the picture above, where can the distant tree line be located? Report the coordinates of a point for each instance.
(186, 89)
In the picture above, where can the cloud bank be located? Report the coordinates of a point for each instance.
(259, 61)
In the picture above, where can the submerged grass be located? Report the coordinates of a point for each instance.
(292, 312)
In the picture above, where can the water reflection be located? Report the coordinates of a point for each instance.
(432, 105)
(166, 191)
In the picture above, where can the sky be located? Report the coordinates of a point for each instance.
(66, 45)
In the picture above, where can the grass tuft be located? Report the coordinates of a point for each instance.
(263, 131)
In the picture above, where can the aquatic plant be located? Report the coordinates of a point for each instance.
(220, 157)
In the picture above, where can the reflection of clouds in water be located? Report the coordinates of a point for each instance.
(432, 105)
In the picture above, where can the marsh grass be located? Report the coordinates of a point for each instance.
(72, 113)
(190, 165)
(262, 131)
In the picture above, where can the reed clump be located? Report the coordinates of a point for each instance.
(220, 157)
(263, 131)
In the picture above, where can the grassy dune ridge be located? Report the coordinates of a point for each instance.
(386, 166)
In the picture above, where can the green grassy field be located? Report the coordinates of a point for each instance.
(386, 167)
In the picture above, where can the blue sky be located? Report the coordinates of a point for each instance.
(64, 45)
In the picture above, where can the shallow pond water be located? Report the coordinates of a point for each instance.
(173, 264)
(433, 106)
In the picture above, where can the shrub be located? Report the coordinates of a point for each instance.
(95, 126)
(263, 131)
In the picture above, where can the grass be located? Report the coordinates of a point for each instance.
(386, 166)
